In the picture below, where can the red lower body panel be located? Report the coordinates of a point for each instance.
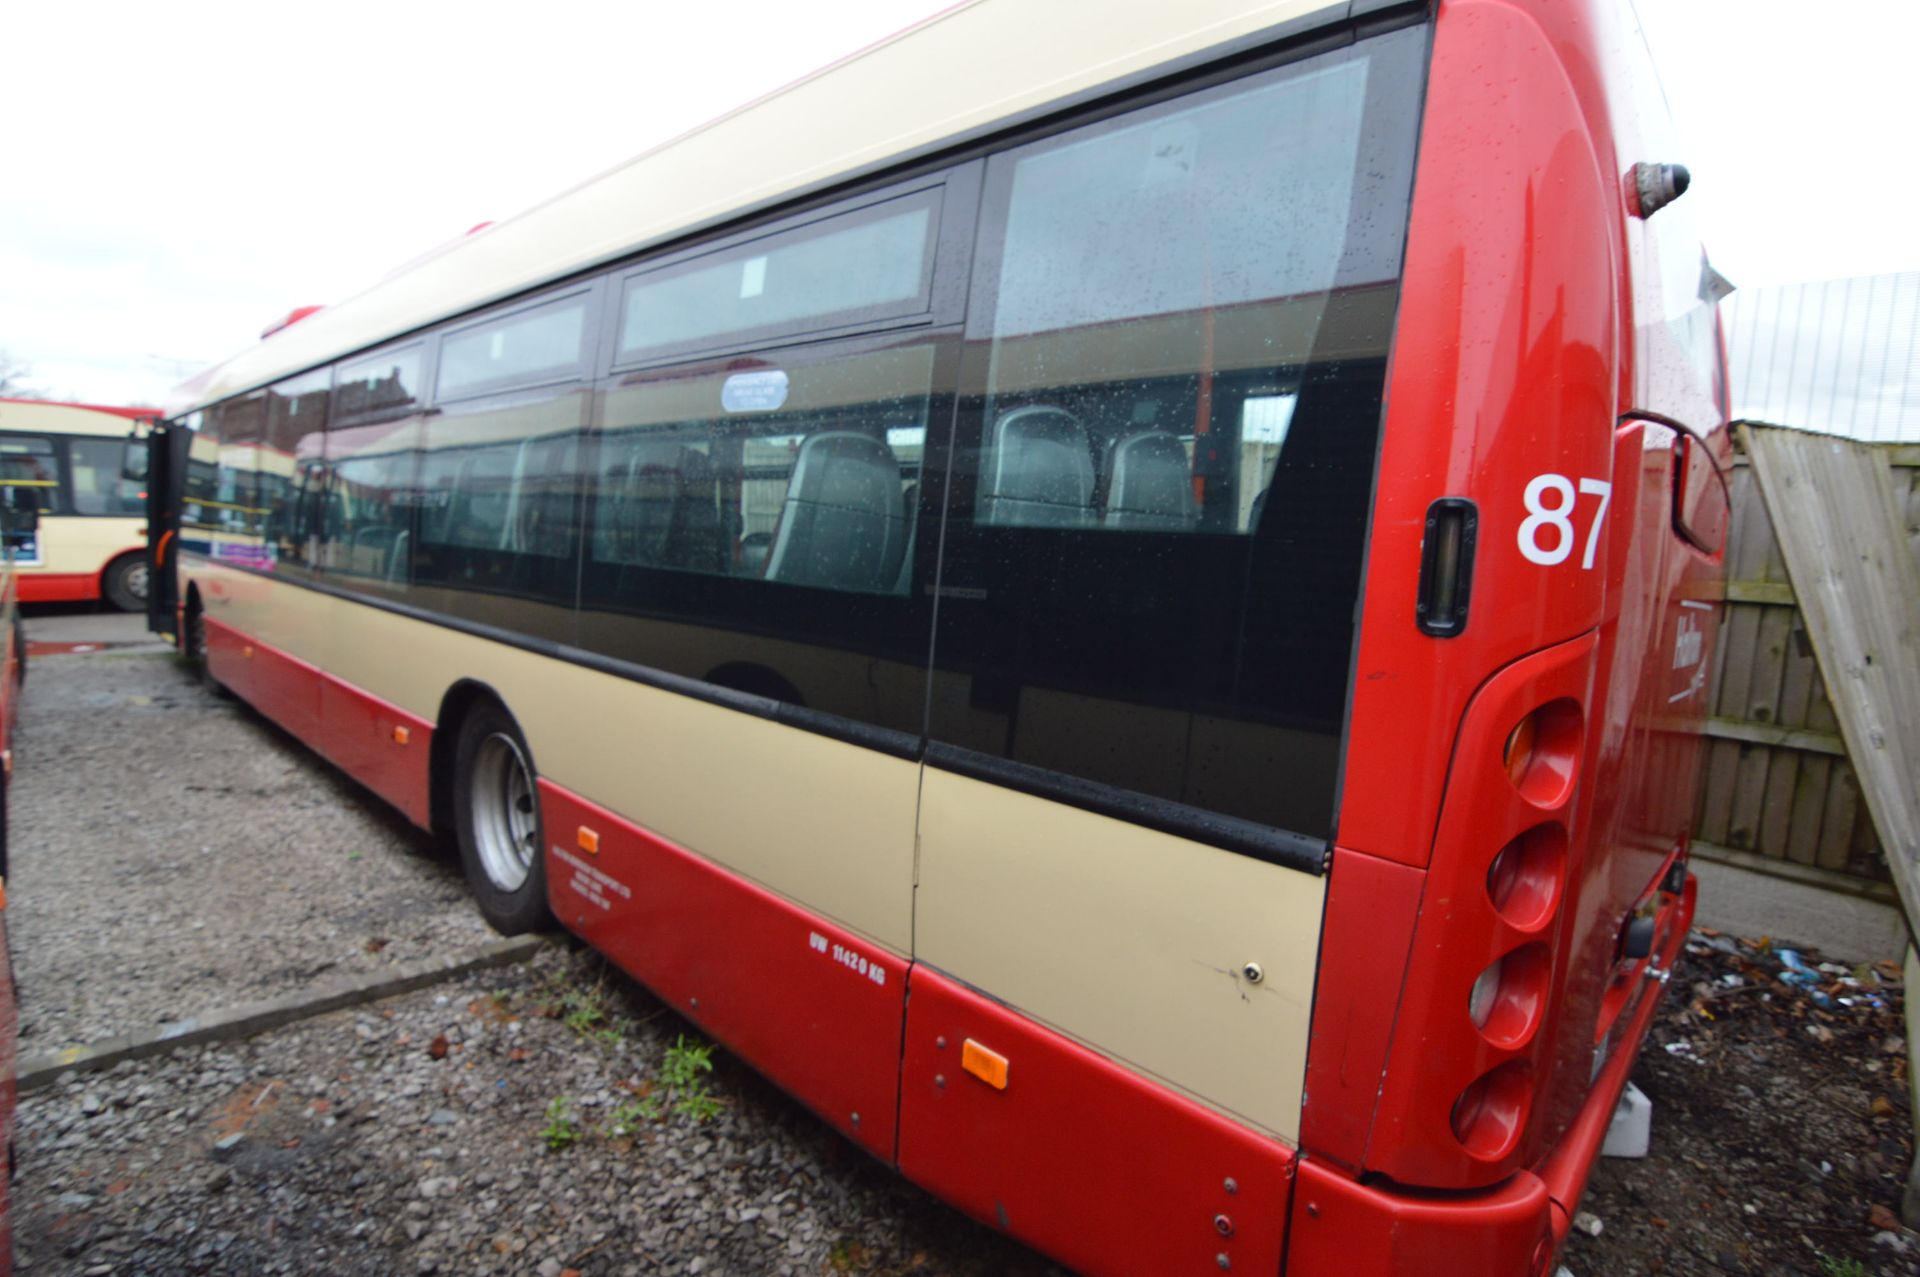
(813, 1007)
(380, 745)
(1342, 1228)
(59, 587)
(1078, 1156)
(1372, 907)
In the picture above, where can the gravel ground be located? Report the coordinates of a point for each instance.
(173, 853)
(421, 1135)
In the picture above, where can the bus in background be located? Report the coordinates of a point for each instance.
(1134, 638)
(81, 531)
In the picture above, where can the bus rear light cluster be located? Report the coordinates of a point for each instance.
(1543, 751)
(1474, 1044)
(1490, 1114)
(1525, 879)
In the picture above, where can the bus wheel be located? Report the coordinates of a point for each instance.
(125, 583)
(197, 653)
(496, 809)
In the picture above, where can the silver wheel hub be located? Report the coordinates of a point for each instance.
(506, 822)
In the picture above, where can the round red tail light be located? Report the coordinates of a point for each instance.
(1524, 879)
(1489, 1115)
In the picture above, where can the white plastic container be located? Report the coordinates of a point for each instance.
(1632, 1127)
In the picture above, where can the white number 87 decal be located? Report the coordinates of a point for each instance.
(1557, 518)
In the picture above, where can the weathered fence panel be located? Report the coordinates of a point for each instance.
(1778, 785)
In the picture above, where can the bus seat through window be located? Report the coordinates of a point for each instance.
(842, 526)
(1040, 470)
(1150, 484)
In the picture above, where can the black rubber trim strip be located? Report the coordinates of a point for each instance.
(1244, 837)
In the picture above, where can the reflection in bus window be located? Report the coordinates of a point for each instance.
(543, 342)
(869, 264)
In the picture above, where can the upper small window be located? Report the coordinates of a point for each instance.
(873, 263)
(543, 343)
(380, 383)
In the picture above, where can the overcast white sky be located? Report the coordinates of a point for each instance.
(177, 176)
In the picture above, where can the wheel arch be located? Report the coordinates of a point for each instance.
(456, 703)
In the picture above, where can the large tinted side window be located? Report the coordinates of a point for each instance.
(100, 482)
(755, 523)
(1177, 342)
(500, 469)
(29, 487)
(291, 465)
(355, 497)
(236, 514)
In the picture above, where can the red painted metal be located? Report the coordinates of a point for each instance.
(1565, 1172)
(281, 686)
(351, 728)
(58, 587)
(811, 1005)
(357, 733)
(1078, 1156)
(1506, 366)
(1342, 1228)
(1372, 907)
(1437, 1050)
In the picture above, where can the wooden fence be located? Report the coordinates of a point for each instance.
(1779, 794)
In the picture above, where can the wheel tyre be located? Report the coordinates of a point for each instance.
(125, 583)
(197, 654)
(496, 814)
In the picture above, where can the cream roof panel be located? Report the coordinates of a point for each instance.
(46, 417)
(898, 97)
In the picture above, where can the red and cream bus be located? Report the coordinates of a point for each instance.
(79, 531)
(1115, 596)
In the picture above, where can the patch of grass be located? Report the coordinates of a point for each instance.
(628, 1118)
(1831, 1267)
(684, 1073)
(561, 1131)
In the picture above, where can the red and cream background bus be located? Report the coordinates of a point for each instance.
(67, 464)
(1127, 624)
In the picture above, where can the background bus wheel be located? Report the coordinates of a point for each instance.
(496, 810)
(125, 583)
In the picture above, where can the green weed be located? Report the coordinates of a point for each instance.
(561, 1131)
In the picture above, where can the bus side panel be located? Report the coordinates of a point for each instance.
(74, 553)
(62, 587)
(284, 688)
(380, 745)
(806, 1003)
(1088, 1161)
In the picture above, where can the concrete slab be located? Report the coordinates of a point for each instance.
(1842, 927)
(36, 1071)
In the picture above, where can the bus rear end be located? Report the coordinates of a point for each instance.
(1509, 884)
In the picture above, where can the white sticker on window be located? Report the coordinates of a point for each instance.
(754, 391)
(753, 277)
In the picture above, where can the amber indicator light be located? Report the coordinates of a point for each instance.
(989, 1066)
(401, 735)
(589, 840)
